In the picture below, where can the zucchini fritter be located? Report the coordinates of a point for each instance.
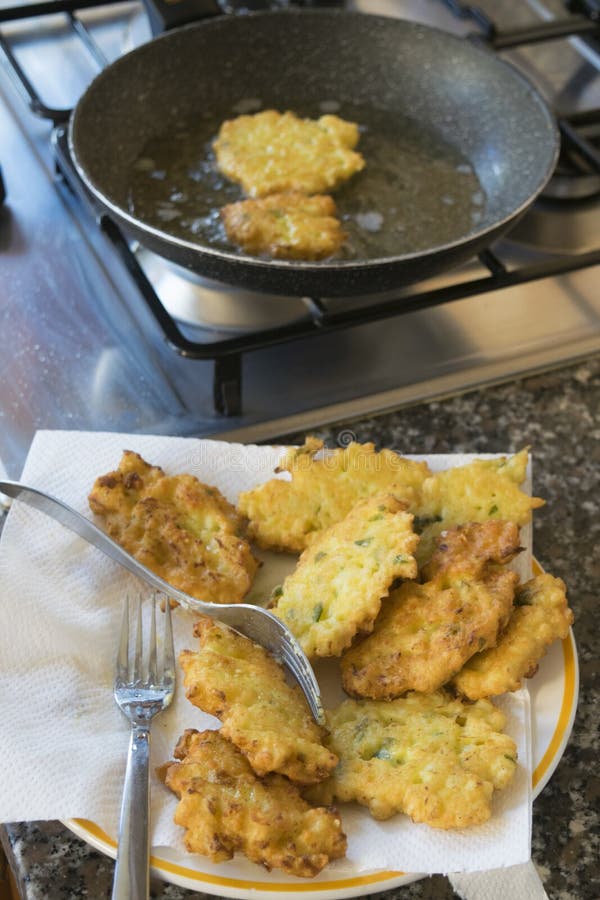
(426, 632)
(225, 807)
(540, 617)
(287, 515)
(483, 489)
(337, 587)
(181, 529)
(465, 550)
(434, 758)
(272, 152)
(239, 682)
(285, 226)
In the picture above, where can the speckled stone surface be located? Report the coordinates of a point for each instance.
(558, 415)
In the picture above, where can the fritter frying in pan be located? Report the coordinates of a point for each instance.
(436, 759)
(181, 529)
(239, 682)
(483, 489)
(337, 587)
(272, 153)
(224, 807)
(540, 617)
(288, 514)
(285, 226)
(426, 632)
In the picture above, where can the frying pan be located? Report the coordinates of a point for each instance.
(457, 143)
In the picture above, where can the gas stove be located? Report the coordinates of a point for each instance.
(101, 334)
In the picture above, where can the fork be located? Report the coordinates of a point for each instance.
(254, 622)
(141, 691)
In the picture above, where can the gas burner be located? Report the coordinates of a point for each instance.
(198, 302)
(577, 175)
(193, 300)
(569, 185)
(556, 226)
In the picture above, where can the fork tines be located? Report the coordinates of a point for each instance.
(131, 671)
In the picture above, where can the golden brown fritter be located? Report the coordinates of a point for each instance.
(465, 550)
(272, 153)
(239, 682)
(181, 529)
(224, 807)
(337, 587)
(483, 489)
(117, 493)
(426, 632)
(541, 616)
(285, 226)
(436, 759)
(288, 514)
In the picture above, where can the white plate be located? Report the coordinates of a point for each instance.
(553, 693)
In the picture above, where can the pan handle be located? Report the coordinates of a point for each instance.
(167, 14)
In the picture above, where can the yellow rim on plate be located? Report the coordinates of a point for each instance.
(565, 717)
(96, 836)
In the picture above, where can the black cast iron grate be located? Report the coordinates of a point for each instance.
(580, 135)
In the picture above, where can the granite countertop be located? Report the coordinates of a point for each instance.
(557, 414)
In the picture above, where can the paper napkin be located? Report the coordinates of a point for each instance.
(63, 741)
(520, 882)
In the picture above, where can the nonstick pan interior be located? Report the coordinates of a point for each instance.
(457, 144)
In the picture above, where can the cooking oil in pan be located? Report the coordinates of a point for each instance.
(416, 192)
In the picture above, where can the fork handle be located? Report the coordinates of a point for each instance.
(132, 875)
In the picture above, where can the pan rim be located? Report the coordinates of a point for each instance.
(236, 257)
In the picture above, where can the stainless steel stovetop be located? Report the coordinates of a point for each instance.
(82, 350)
